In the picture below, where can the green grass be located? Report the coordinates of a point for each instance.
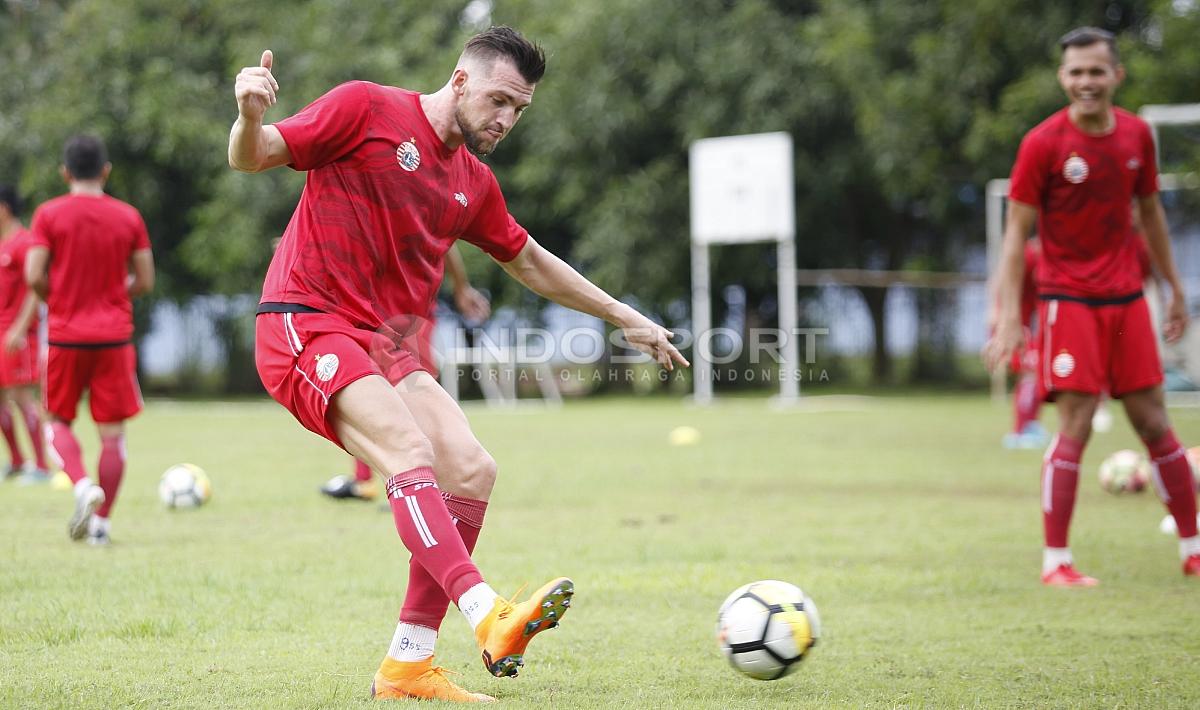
(917, 536)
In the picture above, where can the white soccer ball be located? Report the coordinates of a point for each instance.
(1124, 471)
(184, 485)
(765, 628)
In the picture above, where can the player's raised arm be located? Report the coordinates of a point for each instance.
(1154, 227)
(254, 147)
(548, 276)
(1009, 331)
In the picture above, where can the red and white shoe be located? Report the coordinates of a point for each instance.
(1191, 566)
(1066, 575)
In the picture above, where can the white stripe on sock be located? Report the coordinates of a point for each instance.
(414, 509)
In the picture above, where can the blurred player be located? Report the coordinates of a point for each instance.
(90, 255)
(1076, 175)
(1027, 432)
(393, 180)
(474, 308)
(19, 349)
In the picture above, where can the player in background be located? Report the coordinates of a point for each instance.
(1027, 432)
(474, 308)
(19, 349)
(393, 180)
(90, 256)
(1076, 175)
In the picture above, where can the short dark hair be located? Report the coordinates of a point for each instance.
(504, 41)
(85, 156)
(1087, 36)
(9, 196)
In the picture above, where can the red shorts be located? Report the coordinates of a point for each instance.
(304, 359)
(1098, 348)
(108, 373)
(20, 369)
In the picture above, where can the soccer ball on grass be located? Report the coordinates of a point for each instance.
(765, 628)
(184, 485)
(1125, 471)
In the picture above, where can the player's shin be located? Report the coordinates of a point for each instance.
(1060, 479)
(65, 446)
(428, 531)
(110, 470)
(1174, 482)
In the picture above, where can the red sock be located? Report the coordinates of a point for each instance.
(110, 470)
(1025, 402)
(10, 436)
(1173, 479)
(33, 422)
(425, 603)
(427, 530)
(64, 444)
(362, 472)
(1060, 478)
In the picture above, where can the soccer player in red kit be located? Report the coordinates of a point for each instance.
(19, 348)
(91, 254)
(1076, 175)
(393, 180)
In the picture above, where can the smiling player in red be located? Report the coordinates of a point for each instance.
(393, 180)
(1076, 175)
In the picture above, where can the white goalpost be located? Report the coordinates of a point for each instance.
(742, 192)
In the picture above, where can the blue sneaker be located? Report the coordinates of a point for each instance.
(35, 477)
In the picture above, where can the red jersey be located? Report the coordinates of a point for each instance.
(90, 238)
(383, 202)
(1083, 186)
(13, 288)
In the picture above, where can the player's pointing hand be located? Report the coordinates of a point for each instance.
(255, 89)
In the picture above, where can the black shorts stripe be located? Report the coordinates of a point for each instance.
(272, 307)
(91, 346)
(1115, 301)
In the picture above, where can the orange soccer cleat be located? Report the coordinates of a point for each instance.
(1066, 575)
(1191, 566)
(397, 680)
(508, 628)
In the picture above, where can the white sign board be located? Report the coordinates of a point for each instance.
(742, 189)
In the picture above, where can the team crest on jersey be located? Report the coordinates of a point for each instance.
(1063, 364)
(408, 156)
(1133, 163)
(327, 367)
(1075, 170)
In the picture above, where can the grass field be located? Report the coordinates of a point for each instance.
(918, 537)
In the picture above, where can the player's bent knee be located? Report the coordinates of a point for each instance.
(472, 473)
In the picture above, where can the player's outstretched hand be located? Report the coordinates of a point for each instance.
(473, 305)
(255, 89)
(1177, 318)
(654, 340)
(1005, 341)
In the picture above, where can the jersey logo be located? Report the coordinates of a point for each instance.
(1133, 163)
(327, 367)
(1075, 170)
(462, 199)
(1063, 364)
(408, 156)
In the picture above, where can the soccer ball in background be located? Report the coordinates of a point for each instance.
(184, 485)
(1125, 471)
(765, 628)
